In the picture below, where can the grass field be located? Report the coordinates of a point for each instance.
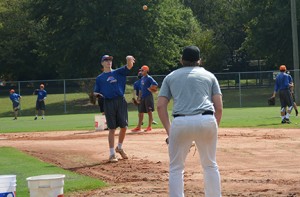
(260, 117)
(25, 166)
(81, 115)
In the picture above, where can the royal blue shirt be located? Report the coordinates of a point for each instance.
(146, 82)
(41, 94)
(112, 84)
(137, 87)
(14, 97)
(282, 81)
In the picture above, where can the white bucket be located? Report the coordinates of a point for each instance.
(100, 122)
(51, 185)
(8, 185)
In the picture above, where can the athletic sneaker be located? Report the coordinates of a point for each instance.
(287, 120)
(113, 159)
(148, 129)
(15, 118)
(154, 122)
(137, 129)
(122, 153)
(296, 112)
(283, 121)
(35, 118)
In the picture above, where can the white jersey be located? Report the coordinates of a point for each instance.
(192, 89)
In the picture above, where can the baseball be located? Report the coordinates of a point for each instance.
(145, 7)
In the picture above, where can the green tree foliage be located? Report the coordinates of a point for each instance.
(17, 57)
(225, 20)
(269, 34)
(79, 32)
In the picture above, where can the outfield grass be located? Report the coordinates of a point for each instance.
(260, 117)
(25, 166)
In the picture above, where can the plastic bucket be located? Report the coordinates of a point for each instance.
(100, 122)
(8, 185)
(51, 185)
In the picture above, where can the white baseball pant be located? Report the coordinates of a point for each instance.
(203, 130)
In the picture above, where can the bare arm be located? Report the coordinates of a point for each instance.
(162, 110)
(218, 104)
(130, 61)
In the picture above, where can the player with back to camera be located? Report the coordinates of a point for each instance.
(197, 112)
(148, 86)
(111, 86)
(40, 101)
(15, 99)
(283, 85)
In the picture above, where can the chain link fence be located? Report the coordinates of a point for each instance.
(240, 89)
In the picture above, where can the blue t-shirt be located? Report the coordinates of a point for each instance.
(282, 81)
(112, 84)
(137, 87)
(41, 94)
(146, 82)
(14, 97)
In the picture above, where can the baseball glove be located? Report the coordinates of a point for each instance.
(271, 101)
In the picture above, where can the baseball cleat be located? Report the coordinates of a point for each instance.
(137, 129)
(113, 159)
(122, 153)
(154, 122)
(148, 129)
(287, 120)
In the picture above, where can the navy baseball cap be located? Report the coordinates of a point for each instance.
(191, 53)
(106, 57)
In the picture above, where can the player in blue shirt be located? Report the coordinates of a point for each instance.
(110, 85)
(282, 84)
(40, 101)
(15, 99)
(147, 86)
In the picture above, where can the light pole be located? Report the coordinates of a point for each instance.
(295, 49)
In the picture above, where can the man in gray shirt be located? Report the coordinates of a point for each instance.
(197, 113)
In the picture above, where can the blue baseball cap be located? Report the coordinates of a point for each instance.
(106, 57)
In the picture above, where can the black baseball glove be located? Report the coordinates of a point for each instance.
(271, 101)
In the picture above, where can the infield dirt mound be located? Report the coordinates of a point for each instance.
(252, 162)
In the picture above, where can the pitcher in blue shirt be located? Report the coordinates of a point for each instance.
(283, 85)
(110, 85)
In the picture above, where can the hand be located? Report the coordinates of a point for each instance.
(130, 61)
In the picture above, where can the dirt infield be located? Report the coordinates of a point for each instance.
(252, 162)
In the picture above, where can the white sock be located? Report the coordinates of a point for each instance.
(287, 115)
(119, 145)
(282, 117)
(112, 151)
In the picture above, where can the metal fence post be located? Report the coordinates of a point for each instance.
(65, 100)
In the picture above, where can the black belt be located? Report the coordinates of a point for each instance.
(204, 113)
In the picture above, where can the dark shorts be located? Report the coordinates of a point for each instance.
(16, 105)
(40, 105)
(116, 113)
(101, 104)
(285, 98)
(147, 104)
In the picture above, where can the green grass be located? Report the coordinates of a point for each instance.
(232, 117)
(15, 162)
